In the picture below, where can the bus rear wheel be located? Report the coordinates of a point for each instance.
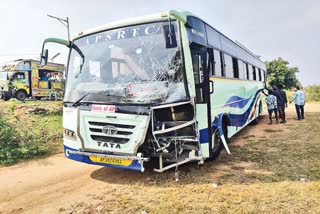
(21, 95)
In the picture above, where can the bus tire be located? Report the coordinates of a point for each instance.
(6, 96)
(21, 95)
(216, 141)
(216, 146)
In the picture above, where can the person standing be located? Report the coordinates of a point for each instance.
(280, 101)
(271, 101)
(284, 104)
(299, 101)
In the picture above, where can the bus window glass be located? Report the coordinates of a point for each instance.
(228, 65)
(210, 62)
(259, 74)
(223, 68)
(262, 75)
(246, 66)
(241, 70)
(254, 74)
(250, 71)
(217, 64)
(198, 76)
(235, 68)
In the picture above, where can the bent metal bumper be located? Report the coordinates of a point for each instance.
(136, 164)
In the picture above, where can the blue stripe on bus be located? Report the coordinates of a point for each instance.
(237, 102)
(135, 165)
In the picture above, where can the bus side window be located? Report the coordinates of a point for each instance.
(223, 65)
(247, 71)
(228, 65)
(217, 63)
(250, 71)
(254, 74)
(198, 76)
(235, 68)
(241, 70)
(210, 62)
(260, 76)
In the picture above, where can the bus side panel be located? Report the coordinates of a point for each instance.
(239, 99)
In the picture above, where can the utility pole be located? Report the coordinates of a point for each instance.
(65, 22)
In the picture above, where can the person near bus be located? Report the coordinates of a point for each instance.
(272, 105)
(285, 104)
(299, 101)
(280, 101)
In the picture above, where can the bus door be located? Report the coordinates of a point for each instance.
(200, 60)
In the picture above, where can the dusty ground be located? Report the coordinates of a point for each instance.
(262, 175)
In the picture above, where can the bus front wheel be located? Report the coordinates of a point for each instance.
(217, 145)
(21, 95)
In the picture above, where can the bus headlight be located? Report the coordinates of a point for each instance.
(69, 134)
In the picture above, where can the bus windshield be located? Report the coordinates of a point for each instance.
(127, 65)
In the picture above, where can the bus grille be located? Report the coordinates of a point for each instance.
(110, 132)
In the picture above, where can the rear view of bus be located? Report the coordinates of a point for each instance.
(144, 88)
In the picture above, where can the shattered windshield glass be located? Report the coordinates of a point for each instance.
(127, 65)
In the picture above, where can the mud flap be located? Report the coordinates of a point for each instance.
(223, 138)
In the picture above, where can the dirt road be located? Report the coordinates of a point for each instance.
(59, 185)
(45, 186)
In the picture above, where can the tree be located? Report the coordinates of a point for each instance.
(280, 73)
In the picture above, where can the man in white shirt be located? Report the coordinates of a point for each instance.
(299, 101)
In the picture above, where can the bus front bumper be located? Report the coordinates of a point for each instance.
(113, 161)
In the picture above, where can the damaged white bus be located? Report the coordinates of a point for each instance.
(167, 86)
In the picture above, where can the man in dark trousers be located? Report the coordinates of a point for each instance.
(281, 102)
(285, 105)
(299, 99)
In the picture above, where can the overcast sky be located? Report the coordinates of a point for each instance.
(271, 28)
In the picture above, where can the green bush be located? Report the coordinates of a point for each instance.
(17, 145)
(313, 93)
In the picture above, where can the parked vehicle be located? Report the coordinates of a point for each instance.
(167, 86)
(26, 78)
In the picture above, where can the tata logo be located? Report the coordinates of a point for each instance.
(109, 145)
(109, 130)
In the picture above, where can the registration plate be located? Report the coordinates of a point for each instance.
(113, 161)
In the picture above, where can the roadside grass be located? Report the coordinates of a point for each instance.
(32, 129)
(261, 176)
(289, 156)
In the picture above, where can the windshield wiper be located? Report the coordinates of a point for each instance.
(75, 104)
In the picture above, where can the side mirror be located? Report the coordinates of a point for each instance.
(169, 35)
(44, 57)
